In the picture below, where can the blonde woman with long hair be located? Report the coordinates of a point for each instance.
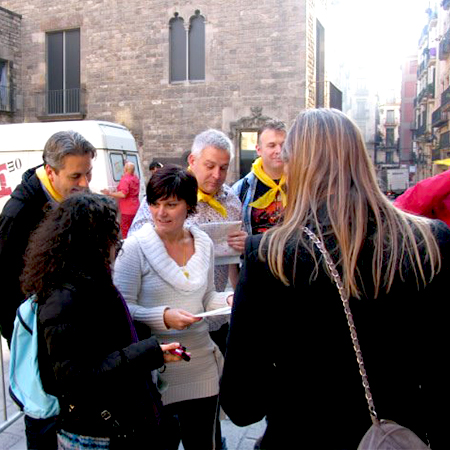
(300, 370)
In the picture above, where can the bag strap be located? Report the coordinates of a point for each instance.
(344, 297)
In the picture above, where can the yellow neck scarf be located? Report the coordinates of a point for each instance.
(270, 196)
(43, 178)
(217, 206)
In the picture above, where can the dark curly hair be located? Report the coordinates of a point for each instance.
(172, 180)
(74, 240)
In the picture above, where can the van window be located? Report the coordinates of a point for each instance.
(117, 165)
(118, 161)
(132, 157)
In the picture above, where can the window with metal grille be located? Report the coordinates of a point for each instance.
(63, 72)
(5, 89)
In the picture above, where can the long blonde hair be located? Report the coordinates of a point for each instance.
(328, 168)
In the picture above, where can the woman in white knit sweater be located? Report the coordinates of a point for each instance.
(166, 274)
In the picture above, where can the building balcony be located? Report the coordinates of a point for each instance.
(444, 141)
(421, 68)
(6, 99)
(425, 94)
(437, 153)
(420, 131)
(63, 104)
(439, 118)
(444, 46)
(445, 100)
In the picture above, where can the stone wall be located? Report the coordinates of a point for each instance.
(10, 51)
(256, 57)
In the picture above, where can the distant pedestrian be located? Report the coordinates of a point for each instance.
(128, 196)
(154, 166)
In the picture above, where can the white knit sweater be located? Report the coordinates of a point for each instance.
(151, 281)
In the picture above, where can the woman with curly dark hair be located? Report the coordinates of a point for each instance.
(89, 355)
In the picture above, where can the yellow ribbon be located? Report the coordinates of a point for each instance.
(43, 177)
(216, 205)
(269, 197)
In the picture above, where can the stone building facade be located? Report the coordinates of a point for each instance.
(259, 61)
(10, 64)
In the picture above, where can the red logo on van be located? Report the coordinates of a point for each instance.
(4, 189)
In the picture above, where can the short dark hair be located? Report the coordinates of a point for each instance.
(272, 124)
(155, 165)
(64, 143)
(173, 181)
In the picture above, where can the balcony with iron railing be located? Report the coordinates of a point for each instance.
(420, 130)
(421, 68)
(62, 103)
(6, 99)
(390, 122)
(444, 141)
(439, 118)
(444, 46)
(426, 93)
(436, 154)
(445, 99)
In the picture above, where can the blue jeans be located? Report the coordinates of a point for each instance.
(41, 433)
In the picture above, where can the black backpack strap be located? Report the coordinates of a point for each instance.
(22, 322)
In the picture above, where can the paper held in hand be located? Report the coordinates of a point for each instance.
(218, 232)
(216, 312)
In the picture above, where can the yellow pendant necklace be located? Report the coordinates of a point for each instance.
(183, 269)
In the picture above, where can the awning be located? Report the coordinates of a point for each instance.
(443, 162)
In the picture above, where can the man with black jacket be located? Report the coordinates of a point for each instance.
(67, 168)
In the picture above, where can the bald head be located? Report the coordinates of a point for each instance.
(129, 167)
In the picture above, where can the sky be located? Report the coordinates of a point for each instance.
(378, 33)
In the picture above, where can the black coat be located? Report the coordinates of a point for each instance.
(290, 356)
(87, 359)
(20, 216)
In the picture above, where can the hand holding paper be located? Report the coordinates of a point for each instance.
(236, 240)
(216, 312)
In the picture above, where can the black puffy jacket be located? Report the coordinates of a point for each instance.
(20, 216)
(88, 359)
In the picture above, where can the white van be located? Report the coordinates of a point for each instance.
(22, 144)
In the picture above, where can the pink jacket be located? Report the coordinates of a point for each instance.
(429, 198)
(129, 185)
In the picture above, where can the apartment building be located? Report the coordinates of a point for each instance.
(440, 116)
(432, 103)
(387, 151)
(425, 101)
(10, 63)
(407, 114)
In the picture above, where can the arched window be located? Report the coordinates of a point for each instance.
(177, 49)
(187, 48)
(197, 47)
